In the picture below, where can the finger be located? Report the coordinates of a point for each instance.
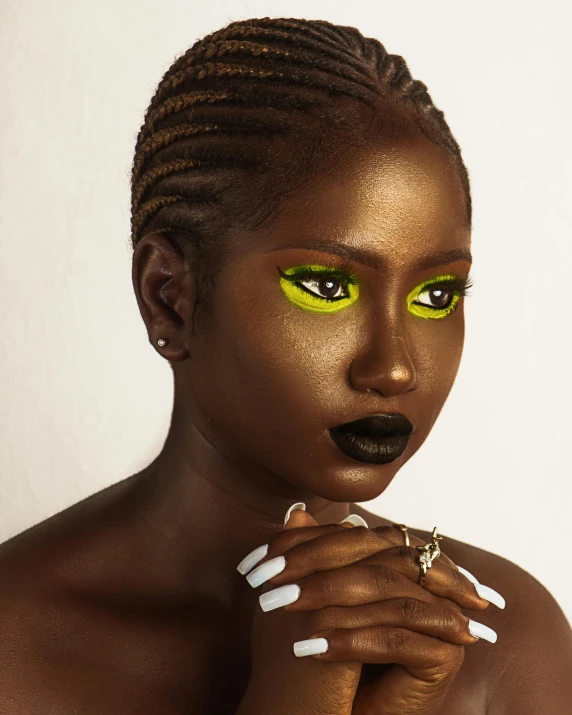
(354, 585)
(297, 516)
(319, 549)
(304, 548)
(383, 644)
(336, 549)
(484, 592)
(429, 665)
(441, 579)
(416, 541)
(438, 618)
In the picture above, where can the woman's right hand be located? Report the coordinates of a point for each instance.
(370, 612)
(280, 683)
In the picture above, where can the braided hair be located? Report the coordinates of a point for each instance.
(252, 111)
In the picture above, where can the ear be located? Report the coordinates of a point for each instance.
(166, 292)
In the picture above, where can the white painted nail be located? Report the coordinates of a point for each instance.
(485, 592)
(252, 559)
(356, 520)
(479, 630)
(491, 595)
(266, 570)
(312, 646)
(469, 575)
(297, 505)
(278, 597)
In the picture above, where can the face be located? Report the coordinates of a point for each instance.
(347, 306)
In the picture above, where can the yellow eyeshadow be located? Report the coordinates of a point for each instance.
(299, 293)
(425, 311)
(303, 298)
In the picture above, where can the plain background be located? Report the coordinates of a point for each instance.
(86, 400)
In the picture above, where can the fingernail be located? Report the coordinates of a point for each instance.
(297, 505)
(485, 592)
(490, 595)
(479, 630)
(266, 570)
(469, 575)
(279, 597)
(356, 520)
(252, 559)
(312, 646)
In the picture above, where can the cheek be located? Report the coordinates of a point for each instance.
(288, 354)
(264, 356)
(439, 356)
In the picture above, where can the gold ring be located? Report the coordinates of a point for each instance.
(428, 553)
(405, 533)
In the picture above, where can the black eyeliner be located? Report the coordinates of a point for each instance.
(343, 272)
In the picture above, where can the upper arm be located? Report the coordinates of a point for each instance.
(534, 666)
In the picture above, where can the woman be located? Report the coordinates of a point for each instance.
(301, 231)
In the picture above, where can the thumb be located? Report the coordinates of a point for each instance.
(297, 516)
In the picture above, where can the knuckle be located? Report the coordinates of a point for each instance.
(384, 578)
(307, 553)
(394, 640)
(324, 588)
(389, 533)
(412, 609)
(408, 557)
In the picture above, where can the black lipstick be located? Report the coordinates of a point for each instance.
(378, 439)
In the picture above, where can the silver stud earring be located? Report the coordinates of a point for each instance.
(161, 342)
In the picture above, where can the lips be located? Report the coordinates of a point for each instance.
(377, 439)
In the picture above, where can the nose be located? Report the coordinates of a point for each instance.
(384, 363)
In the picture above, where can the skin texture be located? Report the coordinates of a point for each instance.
(130, 601)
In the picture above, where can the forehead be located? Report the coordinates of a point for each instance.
(401, 201)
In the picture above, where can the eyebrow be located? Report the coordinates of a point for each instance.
(372, 260)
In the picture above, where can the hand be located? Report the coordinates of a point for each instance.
(422, 630)
(280, 683)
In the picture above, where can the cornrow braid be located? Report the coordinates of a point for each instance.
(241, 118)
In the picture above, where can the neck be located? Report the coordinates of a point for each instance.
(202, 506)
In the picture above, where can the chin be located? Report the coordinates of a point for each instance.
(339, 478)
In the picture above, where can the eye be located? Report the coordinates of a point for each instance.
(441, 296)
(325, 286)
(320, 288)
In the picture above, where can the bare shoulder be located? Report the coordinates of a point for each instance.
(65, 634)
(533, 661)
(528, 669)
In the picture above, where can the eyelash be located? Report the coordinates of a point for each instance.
(458, 285)
(341, 271)
(345, 273)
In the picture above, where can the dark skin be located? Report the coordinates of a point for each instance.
(130, 601)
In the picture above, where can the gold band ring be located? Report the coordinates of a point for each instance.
(427, 554)
(403, 528)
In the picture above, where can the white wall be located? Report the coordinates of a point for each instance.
(86, 401)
